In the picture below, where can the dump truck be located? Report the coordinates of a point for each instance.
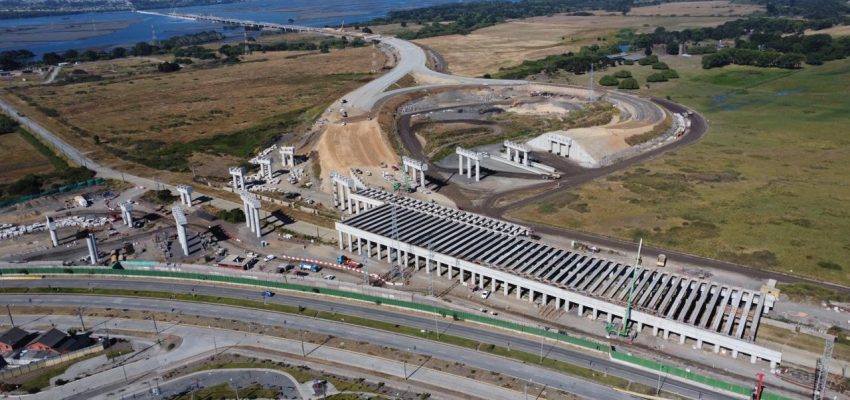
(343, 260)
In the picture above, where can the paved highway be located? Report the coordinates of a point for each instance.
(501, 338)
(411, 60)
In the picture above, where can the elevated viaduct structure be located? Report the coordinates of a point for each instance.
(497, 255)
(242, 22)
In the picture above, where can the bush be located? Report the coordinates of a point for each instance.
(829, 265)
(233, 216)
(168, 67)
(609, 80)
(670, 74)
(623, 74)
(656, 77)
(628, 62)
(660, 65)
(628, 84)
(648, 60)
(7, 125)
(162, 197)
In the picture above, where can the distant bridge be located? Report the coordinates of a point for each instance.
(256, 24)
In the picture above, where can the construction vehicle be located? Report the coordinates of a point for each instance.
(304, 266)
(624, 329)
(343, 260)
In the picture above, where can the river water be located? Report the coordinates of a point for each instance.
(106, 30)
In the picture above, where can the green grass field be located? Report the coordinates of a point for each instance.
(767, 187)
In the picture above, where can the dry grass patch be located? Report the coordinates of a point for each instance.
(20, 159)
(503, 45)
(697, 9)
(268, 95)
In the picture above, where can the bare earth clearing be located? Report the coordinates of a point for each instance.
(356, 145)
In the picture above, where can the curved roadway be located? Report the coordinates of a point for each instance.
(412, 58)
(699, 127)
(419, 321)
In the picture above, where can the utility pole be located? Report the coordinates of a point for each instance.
(590, 95)
(541, 349)
(404, 365)
(83, 324)
(303, 354)
(9, 311)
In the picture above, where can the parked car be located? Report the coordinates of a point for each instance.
(301, 273)
(485, 294)
(330, 277)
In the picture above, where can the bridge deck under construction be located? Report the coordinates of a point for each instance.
(683, 305)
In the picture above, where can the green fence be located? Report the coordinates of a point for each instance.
(445, 312)
(62, 189)
(139, 263)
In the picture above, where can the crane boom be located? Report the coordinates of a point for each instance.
(624, 330)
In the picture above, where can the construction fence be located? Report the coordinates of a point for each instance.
(61, 359)
(589, 344)
(62, 189)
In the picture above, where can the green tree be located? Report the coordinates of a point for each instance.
(656, 77)
(168, 67)
(235, 215)
(118, 52)
(648, 60)
(609, 80)
(628, 84)
(670, 74)
(623, 74)
(51, 58)
(7, 124)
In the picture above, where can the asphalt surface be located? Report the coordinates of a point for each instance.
(500, 338)
(412, 60)
(234, 378)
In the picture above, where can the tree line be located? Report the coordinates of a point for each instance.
(323, 45)
(14, 59)
(462, 18)
(140, 49)
(578, 63)
(758, 41)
